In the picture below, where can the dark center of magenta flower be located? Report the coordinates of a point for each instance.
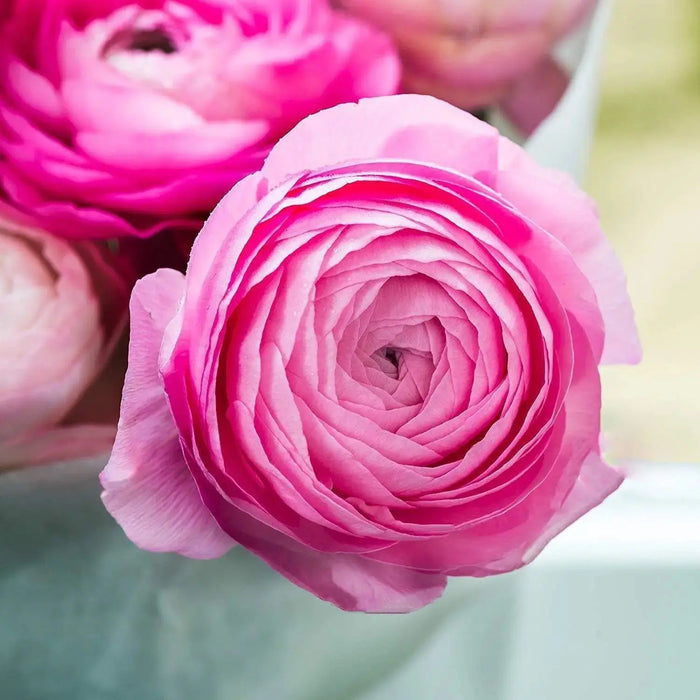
(126, 47)
(148, 40)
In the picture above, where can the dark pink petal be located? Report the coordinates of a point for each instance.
(118, 109)
(209, 146)
(32, 90)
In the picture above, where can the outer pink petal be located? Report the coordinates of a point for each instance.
(556, 204)
(596, 481)
(354, 583)
(147, 485)
(409, 127)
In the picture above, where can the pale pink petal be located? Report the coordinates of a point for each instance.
(52, 341)
(445, 15)
(147, 485)
(554, 202)
(596, 481)
(410, 127)
(474, 63)
(472, 53)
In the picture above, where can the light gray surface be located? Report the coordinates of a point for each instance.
(87, 615)
(608, 634)
(611, 610)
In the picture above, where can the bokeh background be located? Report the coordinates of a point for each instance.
(645, 175)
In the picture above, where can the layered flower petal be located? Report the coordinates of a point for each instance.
(479, 54)
(127, 119)
(147, 485)
(62, 310)
(381, 367)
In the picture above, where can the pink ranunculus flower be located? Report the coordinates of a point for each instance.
(62, 309)
(381, 368)
(478, 53)
(126, 117)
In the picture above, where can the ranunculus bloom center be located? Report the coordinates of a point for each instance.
(397, 351)
(176, 51)
(388, 360)
(144, 31)
(144, 40)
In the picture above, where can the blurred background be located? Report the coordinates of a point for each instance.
(645, 175)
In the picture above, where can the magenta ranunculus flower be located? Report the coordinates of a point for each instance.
(62, 309)
(126, 117)
(479, 53)
(381, 368)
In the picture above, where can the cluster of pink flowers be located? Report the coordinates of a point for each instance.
(482, 53)
(380, 368)
(122, 121)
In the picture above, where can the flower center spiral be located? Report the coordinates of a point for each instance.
(392, 354)
(389, 349)
(388, 359)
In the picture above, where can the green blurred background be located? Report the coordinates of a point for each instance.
(645, 175)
